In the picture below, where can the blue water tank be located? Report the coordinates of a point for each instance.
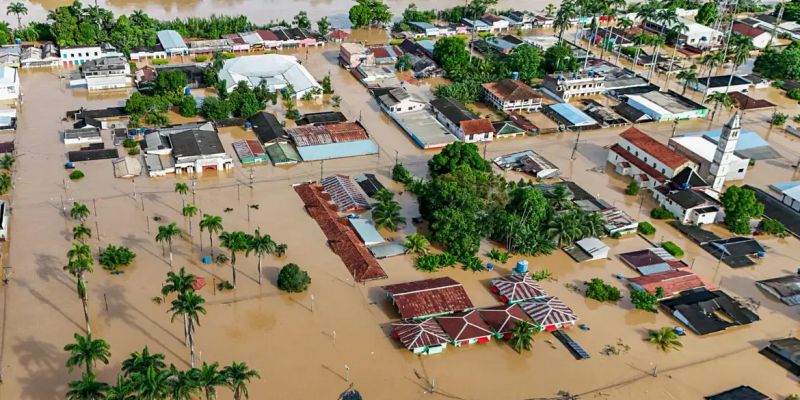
(206, 260)
(18, 41)
(515, 75)
(489, 266)
(522, 267)
(247, 124)
(187, 91)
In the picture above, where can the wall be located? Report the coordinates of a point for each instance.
(649, 159)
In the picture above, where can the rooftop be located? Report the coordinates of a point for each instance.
(700, 146)
(414, 334)
(325, 134)
(739, 393)
(503, 318)
(464, 325)
(665, 103)
(786, 288)
(429, 297)
(511, 90)
(452, 109)
(572, 114)
(477, 126)
(722, 81)
(267, 128)
(549, 311)
(672, 281)
(750, 144)
(646, 168)
(517, 287)
(653, 147)
(276, 70)
(747, 30)
(344, 193)
(171, 40)
(196, 143)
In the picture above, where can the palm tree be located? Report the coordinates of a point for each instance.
(152, 384)
(740, 47)
(656, 41)
(383, 195)
(139, 363)
(7, 162)
(387, 215)
(178, 283)
(165, 234)
(182, 188)
(17, 9)
(560, 197)
(711, 60)
(190, 306)
(79, 263)
(182, 385)
(208, 378)
(213, 224)
(261, 245)
(87, 388)
(718, 99)
(549, 9)
(87, 351)
(678, 28)
(120, 391)
(522, 336)
(189, 211)
(563, 20)
(417, 244)
(235, 242)
(237, 376)
(564, 228)
(624, 23)
(81, 232)
(593, 224)
(79, 211)
(688, 76)
(665, 338)
(5, 183)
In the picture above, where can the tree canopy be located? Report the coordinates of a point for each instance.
(707, 13)
(369, 12)
(456, 155)
(293, 279)
(783, 65)
(741, 205)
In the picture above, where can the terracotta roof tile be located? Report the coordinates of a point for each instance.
(654, 148)
(639, 163)
(511, 90)
(477, 126)
(673, 281)
(747, 30)
(429, 297)
(463, 326)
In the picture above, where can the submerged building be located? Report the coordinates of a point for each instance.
(276, 71)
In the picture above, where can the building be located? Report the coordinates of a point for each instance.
(267, 128)
(672, 282)
(172, 42)
(465, 328)
(749, 145)
(701, 152)
(495, 23)
(337, 36)
(719, 84)
(476, 25)
(376, 75)
(428, 298)
(324, 142)
(648, 161)
(386, 54)
(425, 29)
(195, 151)
(604, 116)
(549, 313)
(651, 261)
(507, 129)
(40, 57)
(563, 87)
(702, 311)
(588, 249)
(397, 100)
(570, 117)
(366, 231)
(517, 288)
(760, 37)
(511, 95)
(297, 37)
(501, 45)
(369, 183)
(690, 204)
(10, 56)
(275, 70)
(3, 221)
(77, 55)
(423, 337)
(8, 122)
(82, 137)
(352, 55)
(250, 151)
(283, 154)
(344, 193)
(530, 162)
(9, 84)
(739, 393)
(618, 222)
(148, 53)
(789, 194)
(503, 318)
(521, 19)
(784, 352)
(669, 106)
(461, 122)
(111, 72)
(770, 23)
(784, 288)
(210, 46)
(696, 35)
(321, 118)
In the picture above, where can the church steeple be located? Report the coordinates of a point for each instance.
(724, 152)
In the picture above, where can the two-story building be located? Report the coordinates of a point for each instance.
(9, 83)
(351, 55)
(511, 95)
(568, 85)
(104, 73)
(78, 55)
(461, 122)
(645, 159)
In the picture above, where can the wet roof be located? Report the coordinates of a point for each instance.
(429, 297)
(195, 143)
(549, 311)
(464, 325)
(171, 40)
(414, 334)
(749, 145)
(575, 116)
(503, 318)
(517, 287)
(656, 149)
(344, 193)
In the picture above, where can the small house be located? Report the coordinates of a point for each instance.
(172, 42)
(195, 151)
(397, 100)
(784, 352)
(701, 311)
(465, 327)
(651, 261)
(587, 249)
(461, 122)
(423, 337)
(503, 318)
(83, 137)
(428, 297)
(267, 128)
(672, 282)
(784, 288)
(719, 84)
(9, 83)
(739, 393)
(549, 313)
(507, 129)
(250, 151)
(516, 288)
(511, 95)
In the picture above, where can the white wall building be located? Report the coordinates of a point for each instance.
(397, 100)
(9, 83)
(277, 71)
(701, 151)
(77, 55)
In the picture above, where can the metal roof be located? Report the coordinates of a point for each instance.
(575, 116)
(344, 193)
(338, 150)
(171, 40)
(366, 231)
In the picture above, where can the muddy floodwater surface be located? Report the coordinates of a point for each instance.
(302, 350)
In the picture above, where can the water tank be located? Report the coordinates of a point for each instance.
(187, 91)
(247, 124)
(206, 260)
(18, 41)
(515, 75)
(489, 266)
(522, 267)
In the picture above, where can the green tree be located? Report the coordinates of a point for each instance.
(688, 76)
(114, 257)
(235, 242)
(165, 235)
(5, 183)
(559, 59)
(7, 162)
(525, 60)
(81, 233)
(182, 385)
(262, 245)
(212, 224)
(360, 15)
(79, 211)
(560, 198)
(243, 102)
(719, 99)
(189, 305)
(336, 101)
(86, 351)
(642, 300)
(403, 63)
(152, 384)
(707, 14)
(400, 174)
(522, 336)
(170, 82)
(416, 243)
(323, 26)
(455, 155)
(451, 54)
(565, 228)
(739, 48)
(79, 263)
(189, 211)
(237, 377)
(140, 362)
(178, 283)
(209, 379)
(293, 279)
(387, 215)
(599, 290)
(18, 9)
(182, 189)
(87, 388)
(301, 20)
(326, 85)
(187, 106)
(215, 109)
(633, 188)
(665, 339)
(5, 33)
(741, 205)
(567, 11)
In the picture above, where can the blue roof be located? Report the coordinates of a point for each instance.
(170, 40)
(426, 44)
(369, 235)
(422, 25)
(573, 115)
(338, 150)
(747, 139)
(786, 185)
(5, 120)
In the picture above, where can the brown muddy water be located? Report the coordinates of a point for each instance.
(295, 349)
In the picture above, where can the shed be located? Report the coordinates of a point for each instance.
(420, 336)
(587, 249)
(465, 327)
(250, 151)
(503, 318)
(549, 313)
(344, 193)
(283, 154)
(516, 288)
(570, 116)
(429, 297)
(784, 352)
(369, 184)
(366, 231)
(784, 288)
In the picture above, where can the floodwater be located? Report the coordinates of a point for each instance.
(302, 349)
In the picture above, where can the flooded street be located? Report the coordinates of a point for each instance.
(302, 354)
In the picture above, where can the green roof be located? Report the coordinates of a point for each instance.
(509, 129)
(283, 153)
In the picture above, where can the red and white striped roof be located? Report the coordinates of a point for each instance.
(503, 318)
(518, 287)
(415, 334)
(549, 311)
(464, 325)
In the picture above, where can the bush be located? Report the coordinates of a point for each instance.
(778, 119)
(616, 235)
(160, 61)
(114, 257)
(672, 248)
(227, 55)
(76, 174)
(629, 51)
(793, 94)
(661, 213)
(472, 263)
(293, 279)
(646, 228)
(773, 227)
(224, 285)
(633, 188)
(400, 174)
(133, 151)
(129, 143)
(432, 262)
(643, 300)
(201, 58)
(497, 255)
(796, 118)
(598, 290)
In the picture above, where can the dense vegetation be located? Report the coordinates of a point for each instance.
(369, 12)
(293, 279)
(672, 248)
(599, 290)
(741, 206)
(779, 64)
(646, 228)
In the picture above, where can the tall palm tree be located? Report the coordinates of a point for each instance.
(79, 211)
(665, 338)
(165, 234)
(711, 60)
(235, 242)
(178, 283)
(567, 11)
(79, 263)
(549, 9)
(120, 391)
(182, 189)
(262, 245)
(209, 379)
(688, 76)
(417, 244)
(81, 233)
(212, 224)
(560, 197)
(181, 384)
(719, 99)
(387, 215)
(139, 363)
(87, 388)
(237, 376)
(739, 47)
(152, 384)
(189, 305)
(18, 9)
(87, 351)
(678, 28)
(189, 211)
(7, 162)
(656, 41)
(522, 336)
(564, 228)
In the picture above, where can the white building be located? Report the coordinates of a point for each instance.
(495, 22)
(564, 86)
(511, 95)
(723, 155)
(461, 122)
(397, 100)
(719, 84)
(689, 206)
(697, 35)
(789, 193)
(148, 53)
(275, 70)
(646, 160)
(78, 55)
(9, 84)
(195, 151)
(701, 151)
(84, 136)
(105, 73)
(761, 38)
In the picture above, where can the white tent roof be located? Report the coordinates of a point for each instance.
(276, 70)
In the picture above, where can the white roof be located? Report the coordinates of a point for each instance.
(592, 245)
(702, 147)
(277, 70)
(695, 28)
(8, 76)
(653, 107)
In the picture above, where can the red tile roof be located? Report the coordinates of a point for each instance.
(746, 102)
(416, 334)
(511, 90)
(429, 297)
(517, 287)
(654, 148)
(549, 311)
(673, 281)
(267, 35)
(338, 34)
(747, 30)
(477, 126)
(502, 319)
(625, 154)
(466, 325)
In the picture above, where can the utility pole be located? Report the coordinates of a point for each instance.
(674, 128)
(575, 148)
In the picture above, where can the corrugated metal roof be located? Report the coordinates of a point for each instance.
(573, 115)
(366, 231)
(171, 40)
(338, 150)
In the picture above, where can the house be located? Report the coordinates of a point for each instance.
(760, 37)
(250, 151)
(543, 21)
(148, 53)
(352, 55)
(275, 70)
(587, 249)
(428, 298)
(77, 55)
(210, 46)
(237, 42)
(110, 72)
(344, 193)
(618, 222)
(422, 48)
(770, 23)
(366, 231)
(374, 75)
(503, 318)
(562, 87)
(172, 42)
(784, 288)
(424, 28)
(696, 35)
(701, 152)
(647, 160)
(337, 36)
(267, 128)
(461, 122)
(369, 183)
(549, 313)
(736, 252)
(465, 328)
(422, 337)
(386, 54)
(665, 106)
(784, 352)
(476, 25)
(689, 204)
(83, 137)
(739, 393)
(195, 151)
(604, 116)
(719, 84)
(40, 57)
(397, 100)
(8, 122)
(127, 167)
(789, 194)
(297, 37)
(496, 23)
(283, 154)
(521, 19)
(501, 45)
(701, 311)
(321, 118)
(516, 288)
(103, 118)
(511, 95)
(323, 142)
(10, 56)
(651, 261)
(570, 117)
(9, 84)
(672, 282)
(507, 129)
(530, 162)
(92, 154)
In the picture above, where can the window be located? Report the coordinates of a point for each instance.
(741, 170)
(663, 171)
